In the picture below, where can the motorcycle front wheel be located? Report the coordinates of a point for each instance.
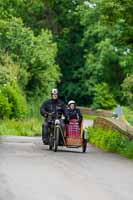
(51, 142)
(56, 138)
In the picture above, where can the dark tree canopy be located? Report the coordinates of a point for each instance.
(76, 45)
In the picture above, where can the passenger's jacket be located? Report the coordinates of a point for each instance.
(56, 106)
(74, 114)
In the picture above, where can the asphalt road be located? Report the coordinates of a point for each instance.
(29, 171)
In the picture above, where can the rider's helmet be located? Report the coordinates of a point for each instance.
(71, 102)
(54, 91)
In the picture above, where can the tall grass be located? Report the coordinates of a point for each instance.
(110, 140)
(34, 109)
(30, 127)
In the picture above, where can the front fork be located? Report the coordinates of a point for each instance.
(61, 133)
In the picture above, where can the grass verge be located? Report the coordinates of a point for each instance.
(87, 116)
(111, 141)
(27, 127)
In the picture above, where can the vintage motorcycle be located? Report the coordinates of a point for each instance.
(72, 136)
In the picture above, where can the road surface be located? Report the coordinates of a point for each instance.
(29, 171)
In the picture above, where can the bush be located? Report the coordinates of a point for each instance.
(5, 107)
(16, 101)
(128, 112)
(127, 89)
(103, 98)
(112, 141)
(8, 69)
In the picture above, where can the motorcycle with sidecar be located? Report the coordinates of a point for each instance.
(71, 136)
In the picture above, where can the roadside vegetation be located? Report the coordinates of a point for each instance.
(27, 127)
(128, 112)
(111, 141)
(91, 117)
(84, 48)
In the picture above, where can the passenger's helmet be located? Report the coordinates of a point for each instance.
(54, 91)
(71, 102)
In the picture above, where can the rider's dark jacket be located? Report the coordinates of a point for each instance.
(74, 114)
(56, 106)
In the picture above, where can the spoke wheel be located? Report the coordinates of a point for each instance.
(84, 145)
(56, 138)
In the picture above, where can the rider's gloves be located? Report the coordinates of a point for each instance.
(45, 114)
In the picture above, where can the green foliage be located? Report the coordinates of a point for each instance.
(44, 72)
(28, 127)
(103, 97)
(14, 100)
(89, 116)
(5, 107)
(107, 45)
(34, 111)
(127, 89)
(18, 41)
(128, 112)
(91, 41)
(9, 8)
(111, 141)
(36, 55)
(8, 69)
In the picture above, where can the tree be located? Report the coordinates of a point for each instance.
(127, 89)
(8, 70)
(36, 55)
(106, 43)
(90, 41)
(103, 98)
(12, 100)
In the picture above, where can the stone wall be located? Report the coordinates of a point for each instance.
(90, 111)
(114, 124)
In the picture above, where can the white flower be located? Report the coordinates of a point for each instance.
(116, 49)
(73, 1)
(90, 5)
(127, 51)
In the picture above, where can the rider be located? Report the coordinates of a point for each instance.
(73, 112)
(53, 105)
